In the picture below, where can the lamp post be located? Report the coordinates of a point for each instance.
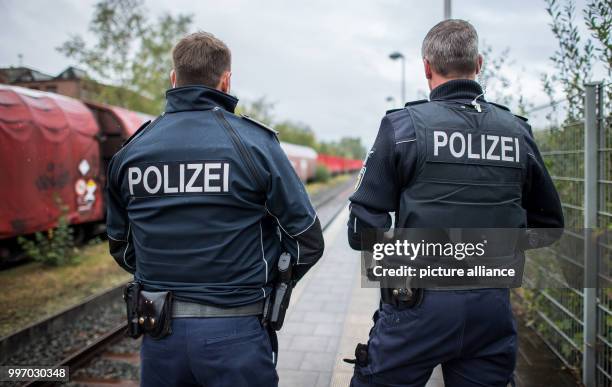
(395, 56)
(447, 9)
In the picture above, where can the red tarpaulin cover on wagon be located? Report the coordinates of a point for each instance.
(49, 157)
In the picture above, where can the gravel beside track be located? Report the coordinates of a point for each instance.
(81, 332)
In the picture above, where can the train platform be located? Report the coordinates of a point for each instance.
(330, 313)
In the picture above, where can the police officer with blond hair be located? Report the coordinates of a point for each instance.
(201, 205)
(452, 161)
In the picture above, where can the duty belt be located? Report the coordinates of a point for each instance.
(181, 309)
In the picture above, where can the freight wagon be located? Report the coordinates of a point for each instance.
(302, 158)
(337, 165)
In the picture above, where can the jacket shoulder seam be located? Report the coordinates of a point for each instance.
(259, 124)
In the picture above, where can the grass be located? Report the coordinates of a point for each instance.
(33, 291)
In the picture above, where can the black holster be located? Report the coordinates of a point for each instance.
(277, 303)
(402, 298)
(361, 356)
(130, 296)
(148, 312)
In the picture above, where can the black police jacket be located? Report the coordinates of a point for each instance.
(455, 161)
(202, 202)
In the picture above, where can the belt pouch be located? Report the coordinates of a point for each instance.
(155, 313)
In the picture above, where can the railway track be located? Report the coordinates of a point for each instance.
(118, 354)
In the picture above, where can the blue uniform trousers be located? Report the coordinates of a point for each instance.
(211, 352)
(471, 333)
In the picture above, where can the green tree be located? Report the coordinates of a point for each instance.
(349, 147)
(498, 87)
(301, 134)
(131, 53)
(260, 110)
(151, 70)
(296, 133)
(492, 79)
(576, 56)
(598, 19)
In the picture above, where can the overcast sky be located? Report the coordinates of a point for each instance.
(323, 63)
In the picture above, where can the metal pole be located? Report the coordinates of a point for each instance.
(591, 176)
(447, 9)
(395, 55)
(403, 81)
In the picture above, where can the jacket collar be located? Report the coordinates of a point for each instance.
(195, 97)
(458, 89)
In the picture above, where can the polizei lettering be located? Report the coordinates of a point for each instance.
(474, 147)
(177, 178)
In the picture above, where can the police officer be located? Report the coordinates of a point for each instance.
(202, 203)
(432, 167)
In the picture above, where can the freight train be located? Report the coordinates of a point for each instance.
(54, 151)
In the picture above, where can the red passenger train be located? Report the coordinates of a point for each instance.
(54, 151)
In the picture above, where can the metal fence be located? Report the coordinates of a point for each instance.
(576, 322)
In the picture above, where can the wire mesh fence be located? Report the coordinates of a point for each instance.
(558, 314)
(604, 219)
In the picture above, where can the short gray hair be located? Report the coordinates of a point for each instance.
(451, 47)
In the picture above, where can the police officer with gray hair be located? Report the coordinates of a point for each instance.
(202, 203)
(439, 163)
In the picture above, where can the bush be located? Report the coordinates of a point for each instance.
(322, 174)
(54, 247)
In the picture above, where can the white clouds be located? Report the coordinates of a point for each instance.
(35, 29)
(324, 63)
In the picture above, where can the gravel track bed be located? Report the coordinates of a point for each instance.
(125, 346)
(103, 368)
(81, 332)
(324, 195)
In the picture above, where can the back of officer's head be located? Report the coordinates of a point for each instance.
(201, 59)
(450, 50)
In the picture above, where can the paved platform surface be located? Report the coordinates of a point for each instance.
(330, 313)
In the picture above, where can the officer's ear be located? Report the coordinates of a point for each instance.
(479, 64)
(225, 82)
(427, 67)
(173, 78)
